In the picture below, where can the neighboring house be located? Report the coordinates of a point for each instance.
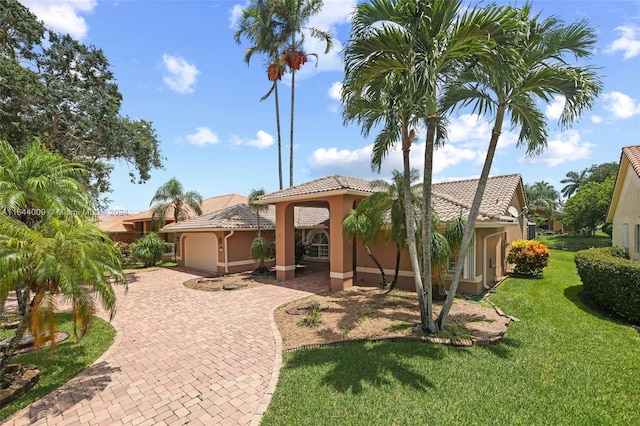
(219, 242)
(131, 227)
(624, 210)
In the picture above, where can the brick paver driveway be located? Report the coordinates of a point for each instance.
(181, 356)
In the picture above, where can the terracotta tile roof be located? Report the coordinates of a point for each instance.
(454, 198)
(113, 223)
(323, 185)
(242, 216)
(209, 205)
(633, 155)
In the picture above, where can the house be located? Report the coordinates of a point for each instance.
(219, 242)
(128, 228)
(624, 209)
(313, 213)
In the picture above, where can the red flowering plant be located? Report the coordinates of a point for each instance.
(529, 256)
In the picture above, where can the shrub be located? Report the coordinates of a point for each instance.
(529, 256)
(124, 249)
(148, 249)
(611, 280)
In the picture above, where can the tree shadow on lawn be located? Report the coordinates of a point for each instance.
(356, 365)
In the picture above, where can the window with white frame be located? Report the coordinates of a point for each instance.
(625, 235)
(319, 245)
(636, 242)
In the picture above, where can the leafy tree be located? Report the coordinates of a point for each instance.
(529, 65)
(48, 245)
(171, 198)
(399, 55)
(259, 27)
(588, 208)
(148, 249)
(573, 182)
(63, 93)
(292, 17)
(601, 172)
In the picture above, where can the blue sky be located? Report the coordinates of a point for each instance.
(177, 65)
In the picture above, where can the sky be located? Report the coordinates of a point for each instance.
(177, 65)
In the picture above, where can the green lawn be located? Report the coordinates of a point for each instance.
(69, 359)
(575, 242)
(562, 364)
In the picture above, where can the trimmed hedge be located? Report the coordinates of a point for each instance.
(611, 280)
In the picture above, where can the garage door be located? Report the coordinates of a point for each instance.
(201, 252)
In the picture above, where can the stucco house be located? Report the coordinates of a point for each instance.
(624, 209)
(314, 211)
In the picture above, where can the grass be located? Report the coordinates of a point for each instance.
(69, 359)
(165, 263)
(575, 242)
(561, 364)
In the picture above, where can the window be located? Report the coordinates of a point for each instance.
(319, 245)
(625, 235)
(637, 238)
(469, 271)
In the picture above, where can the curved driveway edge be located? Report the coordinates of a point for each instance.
(180, 356)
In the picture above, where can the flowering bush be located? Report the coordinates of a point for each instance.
(530, 257)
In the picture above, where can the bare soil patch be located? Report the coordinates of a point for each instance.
(241, 280)
(366, 313)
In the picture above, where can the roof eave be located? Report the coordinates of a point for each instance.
(314, 196)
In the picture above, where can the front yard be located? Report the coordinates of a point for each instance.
(561, 364)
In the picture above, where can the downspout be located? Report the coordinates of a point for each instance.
(226, 252)
(484, 257)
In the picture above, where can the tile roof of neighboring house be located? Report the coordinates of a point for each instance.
(454, 198)
(242, 216)
(209, 205)
(335, 183)
(633, 155)
(114, 223)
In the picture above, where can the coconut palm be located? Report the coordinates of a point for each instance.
(573, 182)
(292, 17)
(402, 51)
(67, 257)
(259, 27)
(530, 65)
(171, 198)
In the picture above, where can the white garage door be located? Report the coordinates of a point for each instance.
(201, 252)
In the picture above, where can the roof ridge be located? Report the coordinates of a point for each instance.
(476, 179)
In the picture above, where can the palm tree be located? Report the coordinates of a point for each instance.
(292, 17)
(253, 196)
(259, 249)
(259, 27)
(70, 257)
(573, 182)
(171, 198)
(542, 196)
(365, 226)
(401, 52)
(528, 66)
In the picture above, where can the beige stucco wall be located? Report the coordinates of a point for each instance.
(627, 208)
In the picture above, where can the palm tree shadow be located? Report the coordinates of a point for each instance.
(353, 367)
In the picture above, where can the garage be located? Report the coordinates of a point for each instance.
(201, 252)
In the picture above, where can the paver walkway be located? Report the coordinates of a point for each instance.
(181, 356)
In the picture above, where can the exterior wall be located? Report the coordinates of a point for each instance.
(627, 210)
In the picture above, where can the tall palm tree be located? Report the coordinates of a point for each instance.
(530, 65)
(404, 50)
(292, 17)
(260, 28)
(573, 182)
(171, 198)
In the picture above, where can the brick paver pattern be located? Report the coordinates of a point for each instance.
(181, 356)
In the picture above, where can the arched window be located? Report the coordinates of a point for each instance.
(319, 245)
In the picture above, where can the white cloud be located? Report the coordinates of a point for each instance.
(621, 105)
(263, 140)
(473, 131)
(334, 12)
(181, 75)
(63, 15)
(323, 157)
(335, 91)
(628, 43)
(202, 136)
(236, 14)
(565, 147)
(596, 119)
(555, 108)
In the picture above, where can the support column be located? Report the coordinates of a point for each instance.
(285, 242)
(340, 249)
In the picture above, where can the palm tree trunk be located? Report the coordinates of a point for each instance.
(275, 88)
(473, 215)
(22, 327)
(394, 282)
(411, 236)
(293, 98)
(427, 232)
(384, 277)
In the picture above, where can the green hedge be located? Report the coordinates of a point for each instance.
(611, 280)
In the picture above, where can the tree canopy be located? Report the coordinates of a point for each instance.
(64, 93)
(587, 209)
